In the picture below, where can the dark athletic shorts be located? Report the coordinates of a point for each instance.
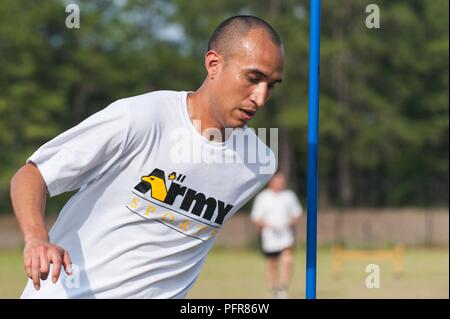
(274, 254)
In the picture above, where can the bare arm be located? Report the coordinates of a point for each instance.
(261, 224)
(28, 197)
(295, 220)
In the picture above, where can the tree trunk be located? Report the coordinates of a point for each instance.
(342, 96)
(80, 102)
(344, 176)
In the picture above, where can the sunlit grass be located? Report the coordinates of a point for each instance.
(241, 274)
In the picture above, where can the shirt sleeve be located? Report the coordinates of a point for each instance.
(296, 207)
(257, 212)
(84, 152)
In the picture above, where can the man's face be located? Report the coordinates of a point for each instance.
(245, 81)
(278, 182)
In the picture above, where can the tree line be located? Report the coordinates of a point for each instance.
(383, 132)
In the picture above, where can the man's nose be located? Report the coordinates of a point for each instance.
(260, 95)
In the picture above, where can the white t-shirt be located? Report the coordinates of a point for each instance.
(277, 210)
(147, 211)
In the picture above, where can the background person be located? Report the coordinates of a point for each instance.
(276, 211)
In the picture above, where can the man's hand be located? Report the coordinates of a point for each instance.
(39, 254)
(294, 221)
(261, 224)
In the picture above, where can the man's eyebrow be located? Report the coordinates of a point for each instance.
(262, 74)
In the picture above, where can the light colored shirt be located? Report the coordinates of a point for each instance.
(276, 209)
(146, 213)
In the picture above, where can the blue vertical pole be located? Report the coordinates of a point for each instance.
(313, 125)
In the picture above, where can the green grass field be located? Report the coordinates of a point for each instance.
(240, 274)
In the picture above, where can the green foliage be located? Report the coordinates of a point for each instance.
(383, 102)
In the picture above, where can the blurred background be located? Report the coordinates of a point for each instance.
(383, 148)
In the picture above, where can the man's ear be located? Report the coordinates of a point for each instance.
(213, 61)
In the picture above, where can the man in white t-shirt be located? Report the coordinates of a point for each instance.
(157, 176)
(276, 211)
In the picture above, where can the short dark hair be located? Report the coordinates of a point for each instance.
(225, 35)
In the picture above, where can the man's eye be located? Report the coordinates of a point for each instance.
(253, 80)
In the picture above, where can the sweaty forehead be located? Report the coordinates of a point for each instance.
(251, 40)
(257, 51)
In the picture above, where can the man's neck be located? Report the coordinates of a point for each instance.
(198, 105)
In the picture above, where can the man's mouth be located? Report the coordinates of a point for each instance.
(247, 114)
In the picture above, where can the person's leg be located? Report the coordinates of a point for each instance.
(272, 274)
(286, 265)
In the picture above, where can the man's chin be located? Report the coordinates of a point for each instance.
(237, 126)
(235, 123)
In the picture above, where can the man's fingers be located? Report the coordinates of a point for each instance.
(67, 262)
(56, 260)
(37, 262)
(35, 267)
(45, 265)
(27, 266)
